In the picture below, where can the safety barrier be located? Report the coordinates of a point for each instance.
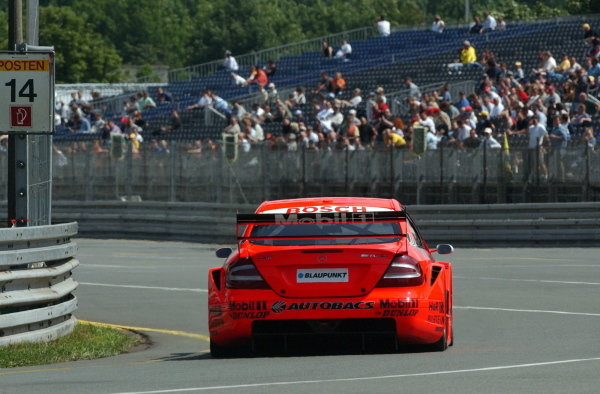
(484, 224)
(36, 284)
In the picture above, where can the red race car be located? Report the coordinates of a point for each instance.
(349, 270)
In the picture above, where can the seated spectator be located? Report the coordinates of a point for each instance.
(383, 26)
(325, 85)
(163, 96)
(589, 34)
(438, 25)
(354, 101)
(270, 69)
(338, 84)
(233, 127)
(326, 49)
(345, 51)
(257, 76)
(221, 105)
(501, 24)
(80, 124)
(489, 23)
(204, 101)
(393, 140)
(174, 123)
(476, 26)
(238, 80)
(467, 58)
(229, 62)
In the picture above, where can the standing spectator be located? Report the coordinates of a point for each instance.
(489, 142)
(559, 137)
(476, 26)
(345, 51)
(326, 49)
(383, 26)
(413, 89)
(538, 135)
(472, 141)
(489, 22)
(229, 62)
(438, 25)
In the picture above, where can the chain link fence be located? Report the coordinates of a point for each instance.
(85, 171)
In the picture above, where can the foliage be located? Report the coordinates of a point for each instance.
(177, 33)
(86, 342)
(81, 54)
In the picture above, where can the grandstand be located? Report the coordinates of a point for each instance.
(377, 61)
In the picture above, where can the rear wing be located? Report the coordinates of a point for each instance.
(244, 220)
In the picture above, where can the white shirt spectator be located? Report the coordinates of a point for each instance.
(489, 142)
(355, 101)
(438, 25)
(536, 133)
(230, 63)
(428, 122)
(345, 50)
(489, 23)
(497, 109)
(462, 133)
(550, 64)
(238, 80)
(383, 27)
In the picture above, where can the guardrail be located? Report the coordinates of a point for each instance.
(36, 284)
(467, 225)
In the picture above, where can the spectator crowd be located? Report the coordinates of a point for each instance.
(543, 109)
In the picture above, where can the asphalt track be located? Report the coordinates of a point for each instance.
(526, 320)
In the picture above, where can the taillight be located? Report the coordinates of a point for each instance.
(404, 271)
(242, 274)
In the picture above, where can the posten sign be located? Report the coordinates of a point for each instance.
(27, 92)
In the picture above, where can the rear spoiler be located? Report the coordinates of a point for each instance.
(318, 218)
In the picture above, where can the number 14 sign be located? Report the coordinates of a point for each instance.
(27, 92)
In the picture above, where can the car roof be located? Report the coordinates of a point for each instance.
(383, 203)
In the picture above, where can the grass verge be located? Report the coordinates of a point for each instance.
(86, 342)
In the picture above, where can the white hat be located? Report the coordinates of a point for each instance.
(352, 111)
(487, 130)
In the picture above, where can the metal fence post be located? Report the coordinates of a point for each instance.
(129, 185)
(172, 174)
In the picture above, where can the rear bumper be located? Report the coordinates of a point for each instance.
(248, 315)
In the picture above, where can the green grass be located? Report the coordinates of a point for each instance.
(86, 342)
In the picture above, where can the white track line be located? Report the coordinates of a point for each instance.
(481, 308)
(284, 383)
(564, 282)
(144, 287)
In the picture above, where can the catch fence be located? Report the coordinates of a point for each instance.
(86, 172)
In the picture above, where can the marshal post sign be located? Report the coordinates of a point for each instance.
(27, 92)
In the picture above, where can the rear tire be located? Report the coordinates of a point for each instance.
(441, 344)
(218, 351)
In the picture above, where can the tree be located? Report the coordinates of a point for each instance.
(81, 54)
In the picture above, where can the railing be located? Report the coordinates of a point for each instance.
(445, 175)
(398, 103)
(36, 284)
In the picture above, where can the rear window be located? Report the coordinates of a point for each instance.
(346, 230)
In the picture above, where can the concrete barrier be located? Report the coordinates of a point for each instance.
(485, 225)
